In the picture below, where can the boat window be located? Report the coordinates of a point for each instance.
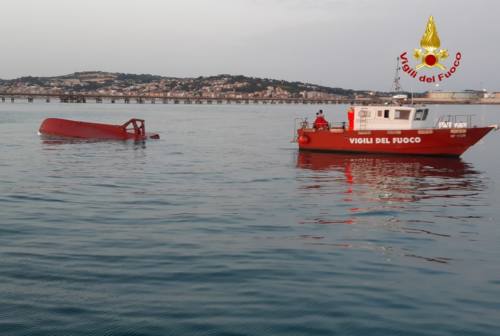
(379, 114)
(419, 114)
(402, 114)
(426, 112)
(386, 114)
(365, 114)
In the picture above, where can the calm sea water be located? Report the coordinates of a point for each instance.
(223, 228)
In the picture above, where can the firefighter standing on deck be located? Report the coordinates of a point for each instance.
(320, 121)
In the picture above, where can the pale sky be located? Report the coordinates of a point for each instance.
(342, 43)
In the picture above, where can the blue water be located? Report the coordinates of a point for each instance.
(223, 228)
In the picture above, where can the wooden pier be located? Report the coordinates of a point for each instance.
(154, 99)
(157, 99)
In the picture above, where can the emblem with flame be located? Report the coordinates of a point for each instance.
(430, 43)
(430, 55)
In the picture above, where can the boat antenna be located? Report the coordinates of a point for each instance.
(396, 83)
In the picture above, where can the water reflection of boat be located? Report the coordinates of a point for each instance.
(392, 200)
(382, 165)
(370, 186)
(400, 178)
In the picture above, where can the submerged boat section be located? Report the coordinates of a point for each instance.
(134, 129)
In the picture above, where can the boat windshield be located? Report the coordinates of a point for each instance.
(421, 114)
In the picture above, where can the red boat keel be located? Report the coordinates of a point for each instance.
(134, 129)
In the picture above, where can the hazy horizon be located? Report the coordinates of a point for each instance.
(335, 43)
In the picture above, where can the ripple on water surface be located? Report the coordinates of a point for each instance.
(219, 229)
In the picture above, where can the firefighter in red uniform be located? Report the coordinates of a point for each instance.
(320, 122)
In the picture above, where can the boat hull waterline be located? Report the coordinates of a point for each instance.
(134, 129)
(436, 142)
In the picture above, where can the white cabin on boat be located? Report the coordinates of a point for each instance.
(390, 117)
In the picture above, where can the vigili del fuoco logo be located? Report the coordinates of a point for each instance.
(430, 57)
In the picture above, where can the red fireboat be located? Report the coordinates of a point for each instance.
(392, 129)
(134, 129)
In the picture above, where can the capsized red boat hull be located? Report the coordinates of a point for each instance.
(134, 129)
(437, 141)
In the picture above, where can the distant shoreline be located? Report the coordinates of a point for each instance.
(80, 87)
(6, 97)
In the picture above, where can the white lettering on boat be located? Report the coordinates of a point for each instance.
(385, 141)
(361, 141)
(412, 140)
(382, 140)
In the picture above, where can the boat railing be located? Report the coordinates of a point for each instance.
(303, 123)
(337, 124)
(137, 126)
(455, 121)
(299, 123)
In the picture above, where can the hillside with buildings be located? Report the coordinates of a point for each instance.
(220, 86)
(107, 84)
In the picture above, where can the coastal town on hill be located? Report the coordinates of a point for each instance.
(107, 84)
(221, 86)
